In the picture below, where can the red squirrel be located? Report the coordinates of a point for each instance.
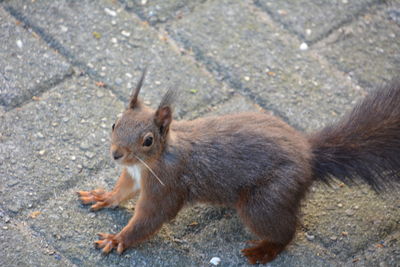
(253, 162)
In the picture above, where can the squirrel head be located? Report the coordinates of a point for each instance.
(140, 134)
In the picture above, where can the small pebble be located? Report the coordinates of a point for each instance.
(99, 94)
(5, 227)
(349, 212)
(308, 31)
(246, 78)
(84, 145)
(57, 257)
(309, 237)
(63, 28)
(42, 152)
(334, 238)
(40, 135)
(340, 205)
(20, 44)
(110, 12)
(303, 46)
(126, 33)
(215, 260)
(73, 158)
(114, 40)
(143, 2)
(89, 154)
(118, 81)
(113, 22)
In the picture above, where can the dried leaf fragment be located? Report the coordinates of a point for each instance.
(34, 214)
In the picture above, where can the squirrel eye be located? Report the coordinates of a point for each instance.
(113, 126)
(148, 141)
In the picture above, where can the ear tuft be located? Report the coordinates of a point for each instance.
(135, 92)
(163, 116)
(163, 119)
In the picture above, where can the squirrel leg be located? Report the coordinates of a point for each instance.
(151, 212)
(266, 216)
(124, 189)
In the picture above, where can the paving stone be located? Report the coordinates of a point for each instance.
(243, 48)
(237, 103)
(58, 144)
(192, 239)
(368, 49)
(346, 220)
(118, 47)
(41, 142)
(156, 12)
(20, 248)
(27, 66)
(313, 20)
(386, 252)
(234, 105)
(74, 229)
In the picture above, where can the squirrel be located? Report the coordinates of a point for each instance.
(253, 162)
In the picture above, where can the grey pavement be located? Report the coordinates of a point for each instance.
(66, 71)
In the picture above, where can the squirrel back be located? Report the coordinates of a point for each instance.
(363, 144)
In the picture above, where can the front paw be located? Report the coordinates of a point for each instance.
(101, 199)
(108, 242)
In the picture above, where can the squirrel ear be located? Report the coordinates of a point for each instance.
(163, 119)
(135, 92)
(163, 116)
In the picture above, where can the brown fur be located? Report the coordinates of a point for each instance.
(253, 162)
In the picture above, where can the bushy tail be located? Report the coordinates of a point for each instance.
(364, 144)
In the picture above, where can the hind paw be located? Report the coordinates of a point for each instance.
(262, 252)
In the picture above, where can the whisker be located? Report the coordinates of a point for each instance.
(148, 167)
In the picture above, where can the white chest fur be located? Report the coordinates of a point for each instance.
(136, 172)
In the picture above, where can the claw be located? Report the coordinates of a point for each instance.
(98, 206)
(108, 247)
(86, 200)
(99, 197)
(83, 193)
(98, 192)
(99, 244)
(105, 236)
(120, 248)
(108, 242)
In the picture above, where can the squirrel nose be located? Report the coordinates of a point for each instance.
(117, 155)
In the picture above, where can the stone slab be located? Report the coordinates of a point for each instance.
(368, 50)
(50, 144)
(27, 65)
(74, 229)
(244, 48)
(117, 47)
(192, 239)
(156, 12)
(314, 20)
(347, 220)
(20, 248)
(386, 252)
